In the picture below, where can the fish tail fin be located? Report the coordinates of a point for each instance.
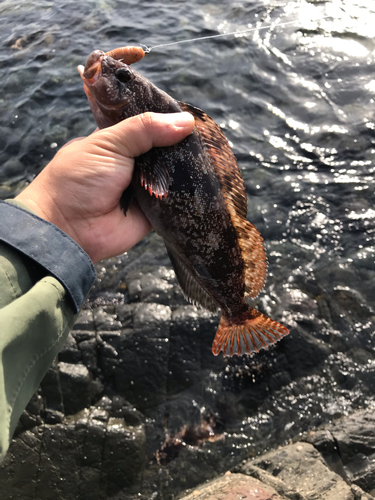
(247, 333)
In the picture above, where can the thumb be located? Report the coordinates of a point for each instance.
(138, 134)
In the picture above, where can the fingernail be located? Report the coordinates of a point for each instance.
(183, 119)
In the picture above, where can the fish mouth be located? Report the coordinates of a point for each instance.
(81, 71)
(91, 74)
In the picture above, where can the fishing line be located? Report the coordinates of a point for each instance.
(149, 49)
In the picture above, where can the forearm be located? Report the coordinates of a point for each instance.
(36, 308)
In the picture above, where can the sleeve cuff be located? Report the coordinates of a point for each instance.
(50, 247)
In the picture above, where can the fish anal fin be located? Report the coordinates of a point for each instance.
(253, 331)
(219, 152)
(153, 174)
(191, 288)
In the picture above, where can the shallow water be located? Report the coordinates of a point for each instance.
(297, 104)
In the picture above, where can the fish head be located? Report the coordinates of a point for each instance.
(114, 89)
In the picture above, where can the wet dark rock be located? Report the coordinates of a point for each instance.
(124, 313)
(35, 405)
(349, 446)
(81, 335)
(17, 474)
(142, 373)
(91, 455)
(190, 328)
(107, 350)
(123, 409)
(158, 286)
(105, 320)
(137, 378)
(53, 416)
(77, 387)
(70, 353)
(51, 390)
(31, 417)
(135, 290)
(85, 321)
(88, 350)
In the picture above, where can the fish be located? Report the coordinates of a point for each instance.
(194, 196)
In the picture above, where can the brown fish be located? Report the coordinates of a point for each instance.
(193, 195)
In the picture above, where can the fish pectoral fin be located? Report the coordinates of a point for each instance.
(252, 332)
(191, 288)
(153, 174)
(126, 199)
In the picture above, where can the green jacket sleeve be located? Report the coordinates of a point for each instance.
(38, 307)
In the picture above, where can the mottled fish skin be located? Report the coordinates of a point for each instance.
(194, 196)
(195, 225)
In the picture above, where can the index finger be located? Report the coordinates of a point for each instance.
(138, 134)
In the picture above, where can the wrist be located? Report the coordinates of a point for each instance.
(46, 209)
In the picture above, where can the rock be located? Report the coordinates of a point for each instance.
(135, 289)
(81, 335)
(348, 445)
(88, 352)
(17, 474)
(51, 390)
(157, 286)
(32, 414)
(233, 487)
(77, 387)
(138, 363)
(189, 329)
(85, 321)
(300, 468)
(124, 313)
(70, 352)
(142, 370)
(106, 320)
(298, 471)
(89, 456)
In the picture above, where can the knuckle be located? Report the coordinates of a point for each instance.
(147, 119)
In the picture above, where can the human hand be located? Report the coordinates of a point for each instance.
(79, 190)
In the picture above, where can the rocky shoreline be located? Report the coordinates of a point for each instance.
(137, 407)
(93, 449)
(335, 462)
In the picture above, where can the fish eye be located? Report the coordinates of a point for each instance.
(123, 75)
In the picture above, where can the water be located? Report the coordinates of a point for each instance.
(297, 104)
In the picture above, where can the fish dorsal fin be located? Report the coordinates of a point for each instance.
(193, 291)
(153, 174)
(232, 185)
